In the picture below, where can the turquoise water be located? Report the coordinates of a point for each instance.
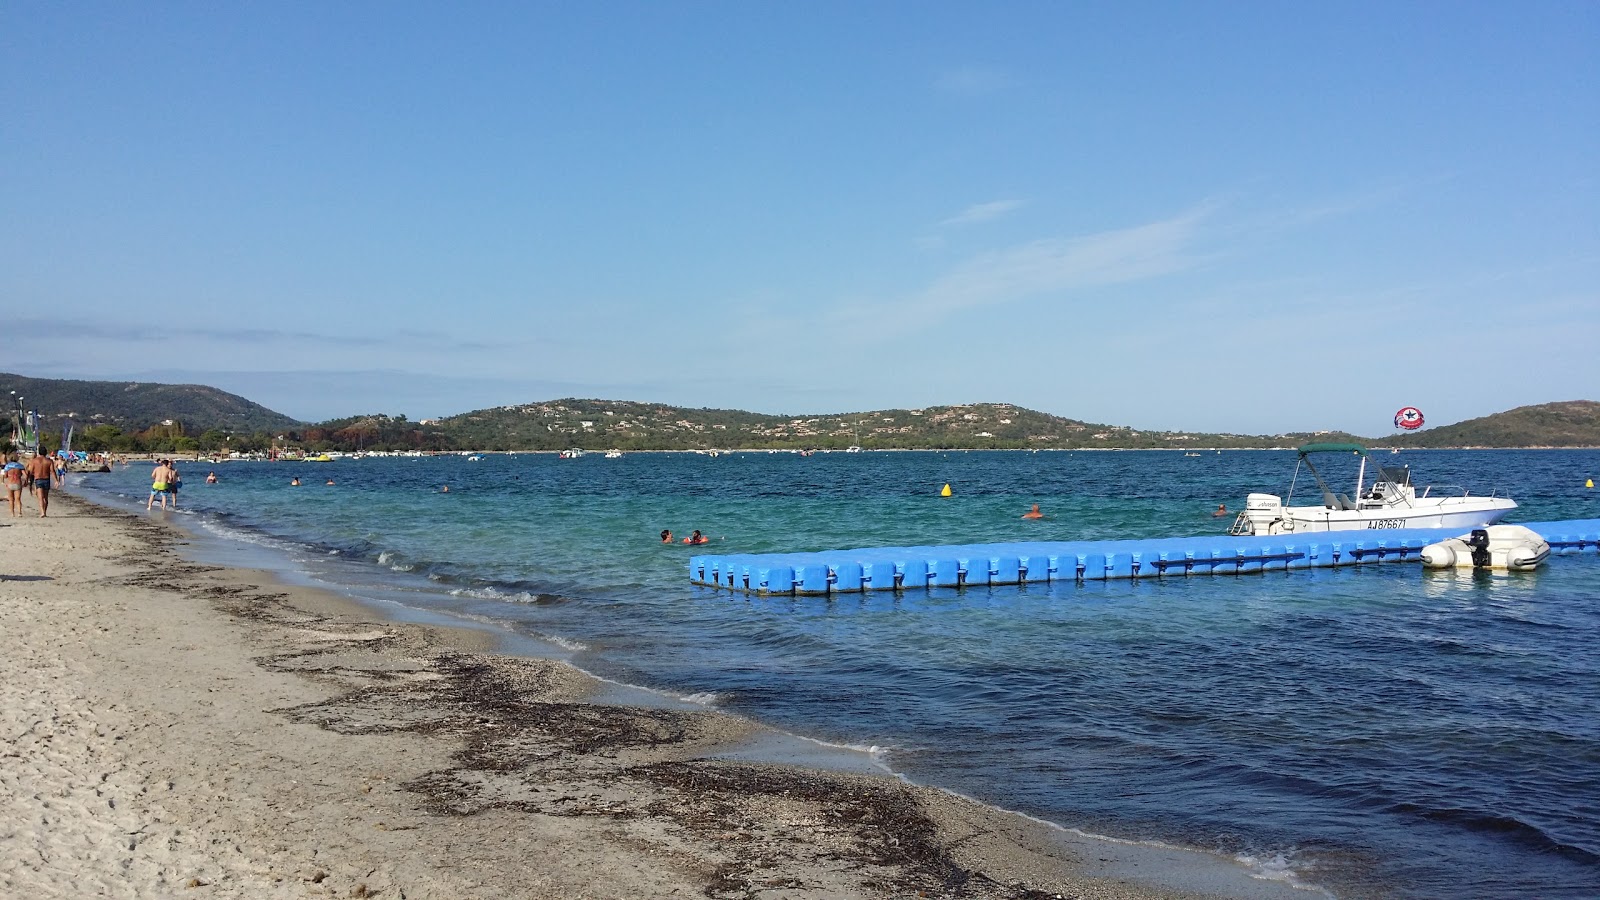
(1381, 731)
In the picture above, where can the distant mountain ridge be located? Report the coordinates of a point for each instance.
(591, 424)
(210, 415)
(138, 405)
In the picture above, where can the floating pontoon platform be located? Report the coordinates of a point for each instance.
(971, 565)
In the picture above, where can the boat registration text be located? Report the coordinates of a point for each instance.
(1386, 523)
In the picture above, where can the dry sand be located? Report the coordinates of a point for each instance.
(176, 730)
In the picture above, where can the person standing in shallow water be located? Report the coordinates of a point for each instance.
(160, 480)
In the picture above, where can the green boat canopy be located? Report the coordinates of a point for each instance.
(1333, 448)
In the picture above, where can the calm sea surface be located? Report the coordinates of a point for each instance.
(1382, 731)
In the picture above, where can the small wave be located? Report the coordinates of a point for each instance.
(703, 698)
(395, 562)
(1274, 867)
(1510, 827)
(565, 643)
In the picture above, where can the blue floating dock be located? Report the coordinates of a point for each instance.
(971, 565)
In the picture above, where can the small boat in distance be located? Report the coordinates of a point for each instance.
(1390, 502)
(613, 453)
(574, 453)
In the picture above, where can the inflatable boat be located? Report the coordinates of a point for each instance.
(1505, 547)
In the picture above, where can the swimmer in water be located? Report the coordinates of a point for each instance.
(294, 483)
(1222, 510)
(696, 538)
(1033, 513)
(666, 536)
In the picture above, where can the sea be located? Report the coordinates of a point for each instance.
(1382, 731)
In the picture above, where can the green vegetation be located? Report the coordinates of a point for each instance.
(1572, 423)
(124, 417)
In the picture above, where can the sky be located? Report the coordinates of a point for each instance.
(1253, 217)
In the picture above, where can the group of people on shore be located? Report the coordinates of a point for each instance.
(39, 474)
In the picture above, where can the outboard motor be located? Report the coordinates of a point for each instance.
(1263, 515)
(1478, 543)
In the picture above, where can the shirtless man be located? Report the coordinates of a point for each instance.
(42, 470)
(161, 478)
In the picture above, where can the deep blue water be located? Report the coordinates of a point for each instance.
(1381, 731)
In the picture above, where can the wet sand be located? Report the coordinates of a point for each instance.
(175, 729)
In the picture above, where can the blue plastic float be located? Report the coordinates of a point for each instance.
(910, 568)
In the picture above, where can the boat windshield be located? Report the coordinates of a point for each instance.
(1399, 476)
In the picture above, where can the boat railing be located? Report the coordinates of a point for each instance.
(1457, 492)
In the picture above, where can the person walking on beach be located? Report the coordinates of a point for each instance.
(15, 474)
(43, 473)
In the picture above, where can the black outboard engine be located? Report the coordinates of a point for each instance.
(1478, 542)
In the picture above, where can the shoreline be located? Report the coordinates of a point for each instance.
(236, 736)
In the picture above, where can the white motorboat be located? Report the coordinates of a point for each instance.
(613, 453)
(1506, 547)
(574, 453)
(1391, 501)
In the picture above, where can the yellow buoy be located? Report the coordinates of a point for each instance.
(1588, 482)
(945, 492)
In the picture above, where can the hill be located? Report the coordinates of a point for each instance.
(137, 406)
(133, 416)
(627, 425)
(1571, 423)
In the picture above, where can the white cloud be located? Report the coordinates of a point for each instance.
(982, 212)
(1064, 264)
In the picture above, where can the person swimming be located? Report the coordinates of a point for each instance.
(696, 538)
(295, 482)
(1222, 510)
(1033, 513)
(211, 478)
(666, 536)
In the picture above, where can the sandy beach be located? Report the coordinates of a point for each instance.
(174, 729)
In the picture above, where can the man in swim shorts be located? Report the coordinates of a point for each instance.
(160, 480)
(43, 472)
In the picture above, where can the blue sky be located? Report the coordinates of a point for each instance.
(1253, 217)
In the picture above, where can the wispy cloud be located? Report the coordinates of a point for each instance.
(973, 81)
(982, 212)
(131, 332)
(1064, 264)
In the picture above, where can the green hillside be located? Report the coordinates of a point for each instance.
(1571, 423)
(137, 407)
(626, 425)
(144, 416)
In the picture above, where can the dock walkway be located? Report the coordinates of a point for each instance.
(970, 565)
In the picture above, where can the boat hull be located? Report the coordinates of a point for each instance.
(1477, 514)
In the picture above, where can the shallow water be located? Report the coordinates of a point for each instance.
(1376, 731)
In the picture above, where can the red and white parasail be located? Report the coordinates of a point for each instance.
(1409, 418)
